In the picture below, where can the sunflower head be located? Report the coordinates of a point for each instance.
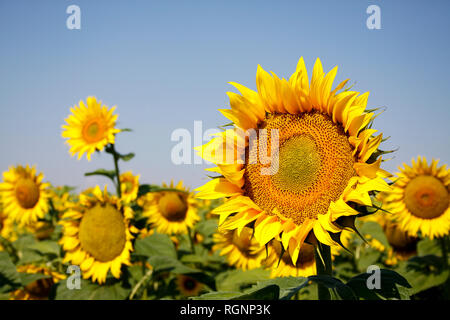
(97, 235)
(90, 127)
(300, 158)
(129, 185)
(188, 286)
(241, 249)
(24, 195)
(420, 198)
(171, 211)
(39, 289)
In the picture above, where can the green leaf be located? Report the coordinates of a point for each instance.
(269, 292)
(237, 280)
(207, 227)
(155, 245)
(338, 289)
(375, 231)
(102, 172)
(9, 277)
(91, 291)
(427, 246)
(367, 257)
(46, 247)
(27, 278)
(288, 286)
(166, 263)
(424, 272)
(389, 283)
(126, 157)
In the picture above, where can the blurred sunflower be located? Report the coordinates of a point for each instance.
(284, 267)
(24, 195)
(171, 212)
(401, 245)
(39, 289)
(129, 186)
(61, 199)
(241, 249)
(97, 235)
(90, 128)
(327, 158)
(188, 286)
(7, 230)
(420, 198)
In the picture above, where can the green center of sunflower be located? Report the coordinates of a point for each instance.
(426, 197)
(300, 164)
(128, 186)
(93, 130)
(27, 193)
(314, 162)
(173, 206)
(102, 232)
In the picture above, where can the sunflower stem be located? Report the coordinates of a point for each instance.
(191, 240)
(116, 169)
(322, 256)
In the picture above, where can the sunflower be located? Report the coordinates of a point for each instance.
(402, 246)
(241, 249)
(97, 235)
(39, 289)
(323, 159)
(129, 186)
(7, 230)
(188, 286)
(171, 212)
(24, 195)
(61, 199)
(90, 128)
(420, 198)
(284, 267)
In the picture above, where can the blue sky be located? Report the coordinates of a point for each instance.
(166, 64)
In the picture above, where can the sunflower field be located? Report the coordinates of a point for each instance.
(326, 222)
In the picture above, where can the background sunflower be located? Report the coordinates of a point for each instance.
(24, 195)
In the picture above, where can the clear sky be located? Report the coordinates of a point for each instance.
(166, 64)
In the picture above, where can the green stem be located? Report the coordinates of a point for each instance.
(443, 242)
(322, 255)
(191, 240)
(116, 168)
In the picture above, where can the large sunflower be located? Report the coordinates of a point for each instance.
(97, 235)
(326, 161)
(241, 249)
(281, 265)
(39, 289)
(90, 128)
(171, 212)
(24, 195)
(420, 198)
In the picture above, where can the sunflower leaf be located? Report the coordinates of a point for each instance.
(9, 277)
(126, 157)
(388, 286)
(102, 172)
(156, 244)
